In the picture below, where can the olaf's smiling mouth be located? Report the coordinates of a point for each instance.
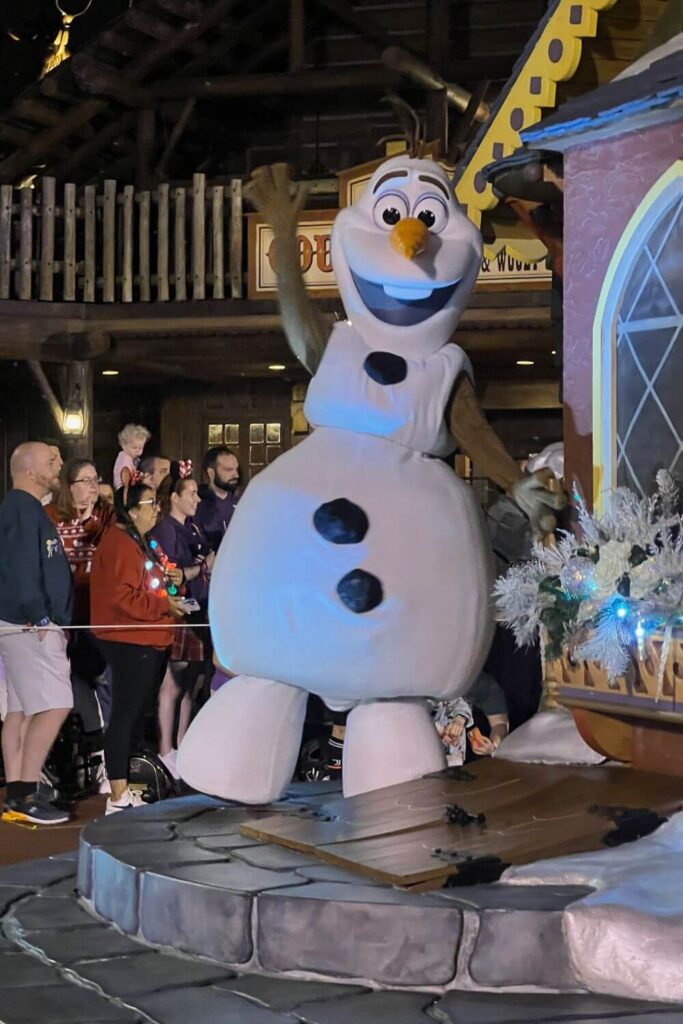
(402, 306)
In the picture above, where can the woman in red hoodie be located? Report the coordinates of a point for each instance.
(128, 589)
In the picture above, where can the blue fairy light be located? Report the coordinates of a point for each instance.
(622, 611)
(155, 583)
(173, 590)
(154, 544)
(640, 631)
(149, 565)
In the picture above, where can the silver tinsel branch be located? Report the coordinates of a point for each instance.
(618, 581)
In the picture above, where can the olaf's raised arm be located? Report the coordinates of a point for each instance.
(272, 193)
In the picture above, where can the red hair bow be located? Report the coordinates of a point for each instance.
(185, 468)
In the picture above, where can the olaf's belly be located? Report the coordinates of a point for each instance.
(275, 608)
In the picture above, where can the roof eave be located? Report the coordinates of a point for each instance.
(561, 137)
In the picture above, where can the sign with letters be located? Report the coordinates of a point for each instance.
(314, 234)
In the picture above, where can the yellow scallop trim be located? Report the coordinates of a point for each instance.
(538, 65)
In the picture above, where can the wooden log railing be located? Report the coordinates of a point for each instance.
(63, 243)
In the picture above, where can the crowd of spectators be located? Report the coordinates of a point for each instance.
(103, 604)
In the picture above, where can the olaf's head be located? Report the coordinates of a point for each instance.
(406, 258)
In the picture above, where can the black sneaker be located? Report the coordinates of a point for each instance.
(35, 810)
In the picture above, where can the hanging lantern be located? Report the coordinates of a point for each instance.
(74, 415)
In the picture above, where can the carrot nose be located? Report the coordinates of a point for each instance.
(409, 237)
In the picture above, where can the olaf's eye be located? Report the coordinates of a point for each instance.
(389, 209)
(433, 212)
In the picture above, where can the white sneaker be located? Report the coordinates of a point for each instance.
(101, 779)
(170, 761)
(129, 799)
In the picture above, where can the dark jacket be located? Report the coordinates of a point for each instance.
(35, 578)
(214, 514)
(183, 543)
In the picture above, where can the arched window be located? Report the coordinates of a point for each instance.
(638, 348)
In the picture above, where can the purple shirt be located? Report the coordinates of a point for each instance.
(183, 542)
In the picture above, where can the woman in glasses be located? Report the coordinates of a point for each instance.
(129, 592)
(82, 520)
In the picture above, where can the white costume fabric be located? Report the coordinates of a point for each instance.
(356, 566)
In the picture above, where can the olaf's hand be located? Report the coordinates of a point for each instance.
(274, 195)
(533, 495)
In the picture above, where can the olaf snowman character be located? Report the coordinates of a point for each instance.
(356, 566)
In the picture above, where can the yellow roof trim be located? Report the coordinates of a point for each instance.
(555, 58)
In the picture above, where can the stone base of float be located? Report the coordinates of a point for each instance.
(170, 915)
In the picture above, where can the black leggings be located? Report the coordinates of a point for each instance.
(137, 672)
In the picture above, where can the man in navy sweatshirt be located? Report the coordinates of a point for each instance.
(35, 602)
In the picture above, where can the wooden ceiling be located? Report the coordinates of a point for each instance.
(300, 80)
(162, 58)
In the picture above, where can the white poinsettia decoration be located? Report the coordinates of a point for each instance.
(602, 591)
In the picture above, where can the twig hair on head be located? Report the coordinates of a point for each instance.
(410, 123)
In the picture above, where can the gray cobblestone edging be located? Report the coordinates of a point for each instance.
(180, 876)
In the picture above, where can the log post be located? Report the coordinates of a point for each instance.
(47, 238)
(80, 375)
(5, 239)
(144, 152)
(69, 265)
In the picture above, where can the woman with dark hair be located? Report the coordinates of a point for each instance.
(129, 591)
(186, 545)
(82, 519)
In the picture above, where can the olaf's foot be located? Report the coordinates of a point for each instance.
(387, 742)
(243, 744)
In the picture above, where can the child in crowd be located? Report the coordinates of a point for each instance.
(476, 722)
(132, 439)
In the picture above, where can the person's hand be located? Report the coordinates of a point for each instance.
(538, 502)
(481, 745)
(274, 196)
(175, 576)
(209, 560)
(453, 731)
(176, 605)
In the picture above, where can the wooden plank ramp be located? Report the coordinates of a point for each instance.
(401, 835)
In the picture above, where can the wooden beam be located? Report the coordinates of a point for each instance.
(188, 10)
(327, 80)
(31, 109)
(44, 142)
(361, 22)
(165, 48)
(95, 77)
(179, 127)
(297, 35)
(114, 132)
(144, 152)
(47, 392)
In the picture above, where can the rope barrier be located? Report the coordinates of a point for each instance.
(15, 630)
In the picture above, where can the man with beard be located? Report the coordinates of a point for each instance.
(35, 605)
(220, 497)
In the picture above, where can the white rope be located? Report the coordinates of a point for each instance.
(16, 630)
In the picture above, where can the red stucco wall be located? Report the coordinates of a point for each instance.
(604, 184)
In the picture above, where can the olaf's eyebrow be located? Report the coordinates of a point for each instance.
(391, 174)
(435, 181)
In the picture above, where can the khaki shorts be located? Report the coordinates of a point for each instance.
(37, 671)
